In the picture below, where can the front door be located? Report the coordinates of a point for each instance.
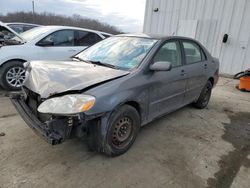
(168, 87)
(60, 46)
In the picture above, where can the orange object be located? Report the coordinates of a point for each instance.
(244, 83)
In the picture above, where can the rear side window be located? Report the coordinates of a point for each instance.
(193, 52)
(84, 38)
(170, 52)
(61, 38)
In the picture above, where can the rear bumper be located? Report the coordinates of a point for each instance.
(42, 129)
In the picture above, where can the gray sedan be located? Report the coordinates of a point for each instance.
(108, 91)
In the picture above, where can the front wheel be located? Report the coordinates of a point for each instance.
(204, 97)
(123, 126)
(12, 75)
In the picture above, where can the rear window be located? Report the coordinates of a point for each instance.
(193, 52)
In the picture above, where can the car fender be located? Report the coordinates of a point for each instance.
(108, 103)
(8, 53)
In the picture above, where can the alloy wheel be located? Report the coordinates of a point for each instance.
(15, 76)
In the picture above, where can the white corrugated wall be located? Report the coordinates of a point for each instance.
(214, 18)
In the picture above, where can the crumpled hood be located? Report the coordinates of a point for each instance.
(50, 77)
(3, 26)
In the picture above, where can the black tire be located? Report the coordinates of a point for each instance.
(3, 74)
(204, 97)
(120, 132)
(126, 116)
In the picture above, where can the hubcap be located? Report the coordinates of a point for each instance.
(122, 132)
(15, 76)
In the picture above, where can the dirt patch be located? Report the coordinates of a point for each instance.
(8, 115)
(237, 132)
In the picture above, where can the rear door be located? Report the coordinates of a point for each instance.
(84, 39)
(196, 67)
(167, 87)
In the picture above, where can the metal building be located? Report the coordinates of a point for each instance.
(208, 21)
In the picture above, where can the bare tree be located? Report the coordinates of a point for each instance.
(53, 19)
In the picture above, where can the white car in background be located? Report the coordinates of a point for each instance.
(40, 43)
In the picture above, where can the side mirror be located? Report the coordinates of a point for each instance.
(45, 43)
(161, 66)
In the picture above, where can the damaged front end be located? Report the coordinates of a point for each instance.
(55, 129)
(52, 101)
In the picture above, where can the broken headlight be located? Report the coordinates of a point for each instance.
(67, 104)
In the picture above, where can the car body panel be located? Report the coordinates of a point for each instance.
(166, 92)
(47, 78)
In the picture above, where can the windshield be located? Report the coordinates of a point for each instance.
(122, 52)
(34, 33)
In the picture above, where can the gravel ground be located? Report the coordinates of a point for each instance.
(187, 148)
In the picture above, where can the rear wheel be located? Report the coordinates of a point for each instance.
(204, 97)
(12, 75)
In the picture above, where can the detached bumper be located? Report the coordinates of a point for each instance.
(42, 129)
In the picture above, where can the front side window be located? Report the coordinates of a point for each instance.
(193, 52)
(61, 38)
(170, 52)
(85, 38)
(123, 52)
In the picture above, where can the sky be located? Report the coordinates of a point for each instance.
(126, 15)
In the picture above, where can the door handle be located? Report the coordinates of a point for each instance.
(205, 66)
(183, 73)
(72, 50)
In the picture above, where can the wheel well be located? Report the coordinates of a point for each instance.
(211, 79)
(135, 105)
(21, 60)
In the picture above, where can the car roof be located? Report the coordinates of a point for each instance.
(154, 36)
(56, 27)
(104, 33)
(21, 23)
